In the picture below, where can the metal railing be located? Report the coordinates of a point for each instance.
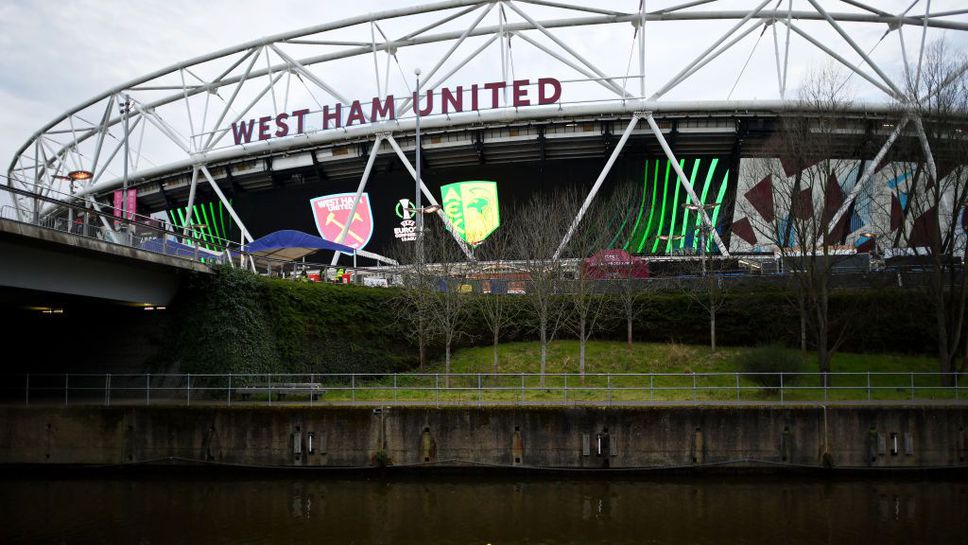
(106, 224)
(69, 389)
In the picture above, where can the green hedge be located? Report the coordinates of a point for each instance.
(234, 321)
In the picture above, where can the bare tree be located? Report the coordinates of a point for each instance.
(497, 307)
(803, 178)
(627, 278)
(449, 273)
(926, 210)
(536, 229)
(415, 302)
(709, 291)
(584, 290)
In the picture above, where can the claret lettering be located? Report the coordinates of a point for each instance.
(445, 100)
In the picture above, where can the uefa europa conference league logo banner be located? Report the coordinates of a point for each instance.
(471, 207)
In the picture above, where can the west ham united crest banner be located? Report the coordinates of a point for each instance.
(472, 208)
(332, 213)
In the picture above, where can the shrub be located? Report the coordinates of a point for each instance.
(773, 359)
(680, 356)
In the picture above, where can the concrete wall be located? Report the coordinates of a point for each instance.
(842, 437)
(52, 261)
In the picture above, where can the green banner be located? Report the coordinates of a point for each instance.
(473, 209)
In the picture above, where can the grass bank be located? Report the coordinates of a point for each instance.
(643, 373)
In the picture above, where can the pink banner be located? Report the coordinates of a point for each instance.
(132, 205)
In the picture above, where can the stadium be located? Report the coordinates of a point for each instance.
(315, 130)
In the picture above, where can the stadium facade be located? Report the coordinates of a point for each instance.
(267, 135)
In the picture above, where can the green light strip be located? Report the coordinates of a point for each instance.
(685, 215)
(217, 233)
(635, 228)
(618, 232)
(719, 201)
(209, 224)
(207, 231)
(675, 207)
(665, 194)
(221, 219)
(702, 198)
(648, 226)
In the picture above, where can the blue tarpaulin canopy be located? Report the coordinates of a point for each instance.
(174, 248)
(290, 245)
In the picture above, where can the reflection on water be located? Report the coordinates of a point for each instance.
(436, 510)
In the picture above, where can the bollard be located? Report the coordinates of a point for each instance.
(651, 387)
(230, 390)
(480, 391)
(566, 389)
(694, 394)
(437, 388)
(868, 386)
(610, 390)
(353, 387)
(737, 386)
(394, 387)
(522, 388)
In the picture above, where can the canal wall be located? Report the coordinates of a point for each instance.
(845, 437)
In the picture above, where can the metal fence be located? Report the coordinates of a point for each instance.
(109, 225)
(476, 388)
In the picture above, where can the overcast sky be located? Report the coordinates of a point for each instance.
(57, 53)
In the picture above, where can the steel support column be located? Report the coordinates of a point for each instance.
(598, 184)
(359, 194)
(868, 173)
(191, 202)
(225, 202)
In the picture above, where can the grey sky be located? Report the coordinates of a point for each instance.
(58, 53)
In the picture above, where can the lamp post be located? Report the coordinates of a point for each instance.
(429, 209)
(125, 107)
(873, 252)
(417, 206)
(74, 176)
(873, 237)
(703, 230)
(667, 238)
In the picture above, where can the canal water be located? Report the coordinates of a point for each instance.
(429, 510)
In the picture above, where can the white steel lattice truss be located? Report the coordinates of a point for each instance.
(185, 117)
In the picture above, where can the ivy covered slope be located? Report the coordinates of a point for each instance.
(233, 321)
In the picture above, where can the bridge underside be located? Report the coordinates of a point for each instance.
(52, 262)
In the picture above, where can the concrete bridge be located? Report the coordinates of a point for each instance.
(57, 262)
